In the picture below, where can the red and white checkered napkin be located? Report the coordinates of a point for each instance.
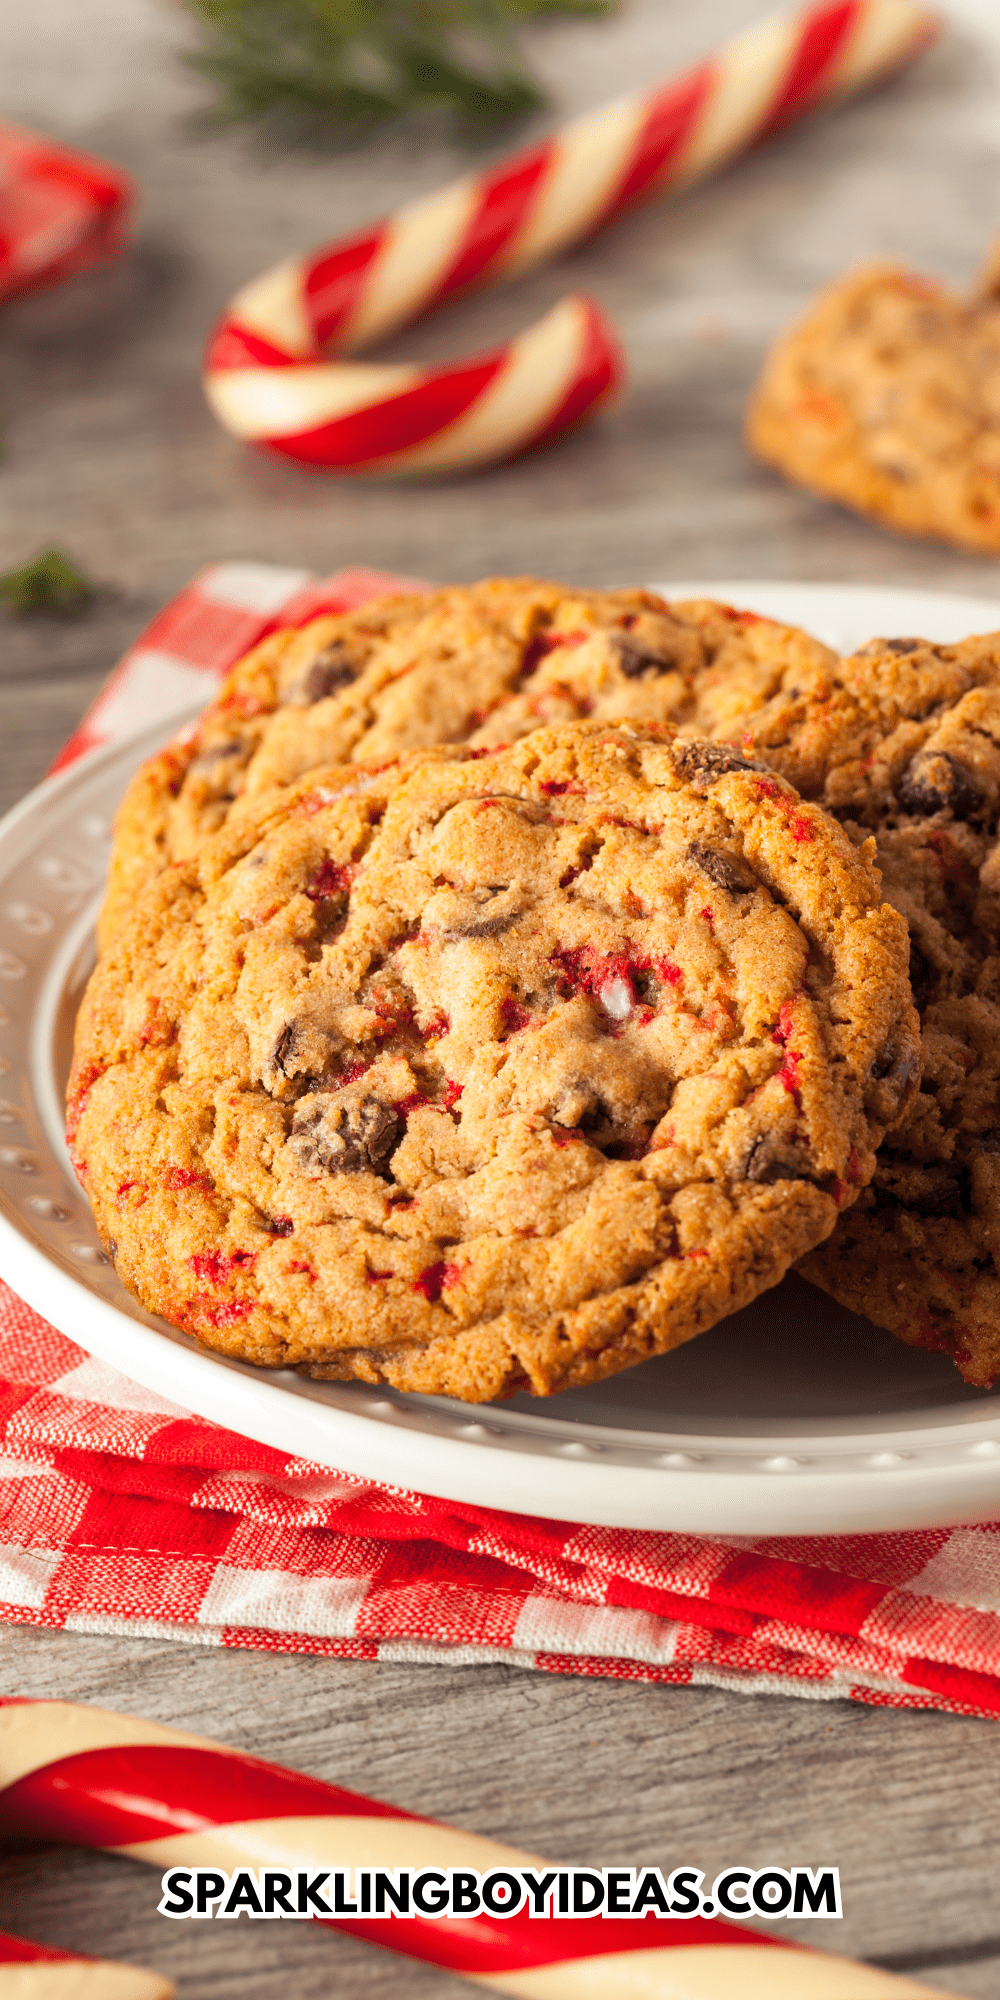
(60, 211)
(122, 1513)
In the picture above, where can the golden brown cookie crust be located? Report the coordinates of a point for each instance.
(483, 664)
(919, 1254)
(886, 398)
(492, 1070)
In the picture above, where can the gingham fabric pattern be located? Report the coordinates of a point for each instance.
(121, 1513)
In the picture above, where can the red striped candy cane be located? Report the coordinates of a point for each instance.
(72, 1773)
(268, 375)
(42, 1973)
(60, 211)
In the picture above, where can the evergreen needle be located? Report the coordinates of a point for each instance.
(50, 581)
(353, 64)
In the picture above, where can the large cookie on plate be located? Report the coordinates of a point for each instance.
(482, 664)
(886, 397)
(920, 1252)
(492, 1071)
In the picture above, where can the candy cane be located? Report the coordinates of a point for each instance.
(267, 373)
(60, 211)
(39, 1972)
(80, 1774)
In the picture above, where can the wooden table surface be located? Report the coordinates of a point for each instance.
(110, 451)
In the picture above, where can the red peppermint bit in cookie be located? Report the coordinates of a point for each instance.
(436, 1279)
(312, 803)
(126, 1188)
(513, 1017)
(440, 1025)
(156, 1032)
(84, 1085)
(555, 787)
(227, 1313)
(788, 1074)
(352, 1073)
(213, 1267)
(668, 972)
(584, 970)
(394, 1016)
(415, 1102)
(695, 1256)
(567, 1135)
(709, 916)
(281, 1226)
(377, 1277)
(176, 1178)
(298, 1264)
(241, 701)
(452, 1093)
(547, 642)
(332, 878)
(800, 826)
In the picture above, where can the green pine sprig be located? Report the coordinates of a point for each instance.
(351, 65)
(50, 582)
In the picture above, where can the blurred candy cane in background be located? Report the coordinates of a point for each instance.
(61, 212)
(74, 1773)
(268, 373)
(39, 1972)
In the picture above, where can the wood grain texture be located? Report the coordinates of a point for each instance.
(111, 452)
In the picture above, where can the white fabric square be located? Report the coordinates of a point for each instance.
(965, 1571)
(96, 1382)
(324, 1607)
(156, 687)
(608, 1631)
(25, 1575)
(251, 586)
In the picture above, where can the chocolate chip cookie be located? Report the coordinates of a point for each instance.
(483, 664)
(919, 766)
(495, 1070)
(886, 397)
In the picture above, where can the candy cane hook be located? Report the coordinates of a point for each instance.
(268, 373)
(73, 1773)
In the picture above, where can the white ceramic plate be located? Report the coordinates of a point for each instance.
(793, 1417)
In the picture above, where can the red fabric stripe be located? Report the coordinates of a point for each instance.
(818, 1599)
(335, 280)
(201, 633)
(667, 125)
(385, 430)
(961, 1687)
(231, 345)
(601, 371)
(822, 40)
(506, 198)
(164, 1526)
